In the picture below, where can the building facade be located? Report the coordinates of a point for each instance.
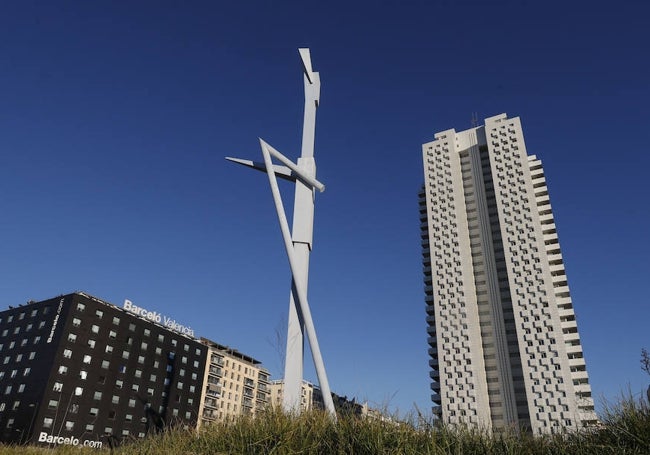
(235, 384)
(79, 371)
(503, 340)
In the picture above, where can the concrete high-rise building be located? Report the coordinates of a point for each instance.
(504, 344)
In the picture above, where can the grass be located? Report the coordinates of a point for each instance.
(625, 430)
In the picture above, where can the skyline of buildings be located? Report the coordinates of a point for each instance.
(503, 339)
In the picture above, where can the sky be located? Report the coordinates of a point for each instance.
(115, 118)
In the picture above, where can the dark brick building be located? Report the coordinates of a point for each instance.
(77, 370)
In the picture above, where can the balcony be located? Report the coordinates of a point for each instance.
(435, 397)
(210, 414)
(249, 382)
(215, 371)
(211, 403)
(216, 360)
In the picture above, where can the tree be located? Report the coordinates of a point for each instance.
(645, 366)
(645, 360)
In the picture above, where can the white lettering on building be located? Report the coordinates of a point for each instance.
(157, 317)
(56, 321)
(69, 441)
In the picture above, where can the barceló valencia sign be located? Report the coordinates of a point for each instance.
(158, 318)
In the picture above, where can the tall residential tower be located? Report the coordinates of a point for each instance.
(504, 344)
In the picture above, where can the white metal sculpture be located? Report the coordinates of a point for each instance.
(298, 243)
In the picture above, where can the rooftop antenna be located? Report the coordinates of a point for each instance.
(474, 119)
(298, 242)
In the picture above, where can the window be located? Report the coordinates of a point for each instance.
(105, 364)
(32, 355)
(58, 386)
(71, 338)
(125, 354)
(83, 375)
(90, 427)
(21, 388)
(99, 313)
(69, 425)
(132, 403)
(147, 332)
(74, 409)
(128, 417)
(152, 378)
(19, 357)
(112, 334)
(132, 327)
(135, 387)
(179, 385)
(93, 411)
(67, 353)
(119, 384)
(81, 307)
(10, 423)
(143, 346)
(87, 359)
(52, 404)
(97, 395)
(161, 338)
(91, 344)
(116, 321)
(76, 322)
(29, 327)
(78, 391)
(41, 324)
(109, 348)
(63, 369)
(47, 422)
(115, 399)
(141, 359)
(138, 373)
(95, 328)
(27, 371)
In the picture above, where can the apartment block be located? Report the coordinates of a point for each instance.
(235, 384)
(503, 339)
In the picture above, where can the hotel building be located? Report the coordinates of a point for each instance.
(503, 339)
(75, 370)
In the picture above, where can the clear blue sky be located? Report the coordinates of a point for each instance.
(115, 118)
